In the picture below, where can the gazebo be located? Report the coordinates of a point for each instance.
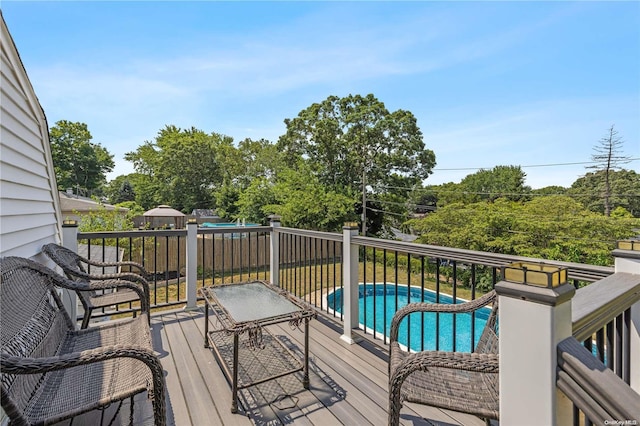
(164, 216)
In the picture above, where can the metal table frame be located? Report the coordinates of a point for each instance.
(254, 328)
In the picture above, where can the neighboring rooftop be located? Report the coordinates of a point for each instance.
(70, 202)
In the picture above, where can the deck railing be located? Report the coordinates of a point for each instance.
(332, 271)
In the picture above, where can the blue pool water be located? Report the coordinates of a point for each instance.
(387, 302)
(225, 225)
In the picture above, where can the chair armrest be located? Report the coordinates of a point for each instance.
(475, 362)
(127, 276)
(142, 291)
(27, 365)
(437, 307)
(24, 365)
(141, 269)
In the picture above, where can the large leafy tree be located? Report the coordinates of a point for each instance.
(486, 185)
(624, 191)
(120, 189)
(258, 159)
(253, 203)
(182, 168)
(552, 227)
(78, 162)
(354, 142)
(303, 202)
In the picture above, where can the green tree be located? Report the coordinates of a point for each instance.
(624, 191)
(499, 182)
(258, 159)
(227, 197)
(119, 190)
(111, 189)
(134, 208)
(354, 142)
(78, 162)
(607, 157)
(105, 220)
(182, 168)
(550, 190)
(303, 202)
(253, 203)
(552, 227)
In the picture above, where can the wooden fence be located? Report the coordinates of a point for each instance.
(167, 254)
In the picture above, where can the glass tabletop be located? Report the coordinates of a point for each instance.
(252, 301)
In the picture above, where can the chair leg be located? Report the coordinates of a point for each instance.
(394, 405)
(86, 318)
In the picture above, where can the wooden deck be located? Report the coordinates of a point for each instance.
(348, 382)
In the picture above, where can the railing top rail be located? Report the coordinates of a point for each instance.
(133, 234)
(597, 304)
(331, 236)
(595, 389)
(577, 271)
(234, 229)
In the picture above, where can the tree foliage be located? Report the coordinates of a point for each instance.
(105, 220)
(485, 185)
(255, 201)
(354, 141)
(78, 162)
(608, 157)
(181, 168)
(303, 202)
(624, 191)
(552, 227)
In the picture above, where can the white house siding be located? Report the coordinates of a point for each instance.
(29, 207)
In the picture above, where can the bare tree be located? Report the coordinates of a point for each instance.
(607, 157)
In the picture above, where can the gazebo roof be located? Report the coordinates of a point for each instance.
(163, 211)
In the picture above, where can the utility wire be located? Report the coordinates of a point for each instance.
(529, 166)
(532, 194)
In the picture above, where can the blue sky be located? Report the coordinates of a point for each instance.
(490, 83)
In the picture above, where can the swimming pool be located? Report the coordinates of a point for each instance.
(226, 225)
(385, 301)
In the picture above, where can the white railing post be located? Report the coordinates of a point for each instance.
(70, 241)
(534, 317)
(627, 260)
(274, 251)
(192, 263)
(350, 283)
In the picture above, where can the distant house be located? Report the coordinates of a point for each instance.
(30, 213)
(73, 206)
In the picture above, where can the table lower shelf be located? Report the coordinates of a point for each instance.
(256, 365)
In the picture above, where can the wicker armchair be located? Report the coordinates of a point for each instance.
(49, 371)
(76, 267)
(465, 382)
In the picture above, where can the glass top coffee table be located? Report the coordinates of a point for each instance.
(246, 309)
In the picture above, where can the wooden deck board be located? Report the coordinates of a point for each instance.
(348, 382)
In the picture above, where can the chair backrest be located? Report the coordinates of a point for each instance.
(34, 323)
(71, 263)
(73, 266)
(488, 342)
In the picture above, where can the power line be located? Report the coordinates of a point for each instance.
(386, 212)
(529, 166)
(403, 204)
(532, 194)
